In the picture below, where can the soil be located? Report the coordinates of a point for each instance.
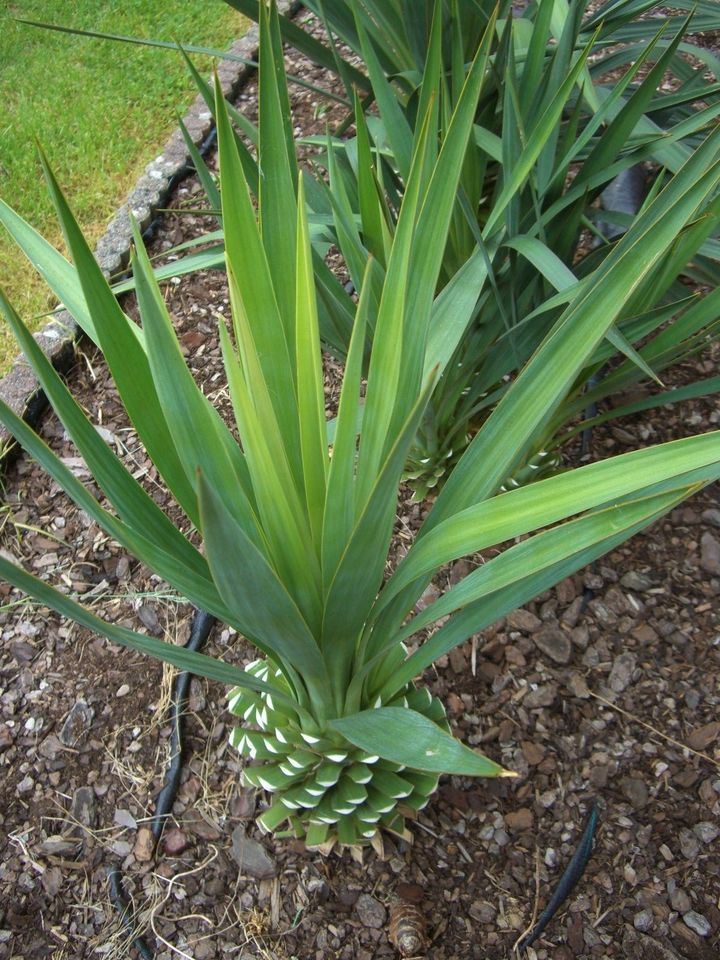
(604, 688)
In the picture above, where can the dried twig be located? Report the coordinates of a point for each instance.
(658, 733)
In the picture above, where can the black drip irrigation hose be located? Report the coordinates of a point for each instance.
(201, 626)
(127, 916)
(570, 877)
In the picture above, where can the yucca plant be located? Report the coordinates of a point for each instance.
(546, 143)
(296, 530)
(526, 201)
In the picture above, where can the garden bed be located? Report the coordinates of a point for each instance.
(604, 688)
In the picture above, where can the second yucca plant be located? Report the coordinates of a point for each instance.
(297, 530)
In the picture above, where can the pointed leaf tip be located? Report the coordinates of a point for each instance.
(405, 736)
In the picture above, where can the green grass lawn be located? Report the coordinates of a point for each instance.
(101, 110)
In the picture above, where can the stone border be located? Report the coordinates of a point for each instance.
(19, 388)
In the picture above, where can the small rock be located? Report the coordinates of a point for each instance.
(701, 738)
(706, 831)
(630, 874)
(544, 696)
(149, 618)
(6, 737)
(82, 809)
(710, 553)
(22, 651)
(689, 844)
(633, 580)
(370, 912)
(635, 791)
(214, 887)
(698, 923)
(533, 752)
(456, 705)
(578, 687)
(645, 633)
(193, 339)
(50, 747)
(60, 846)
(523, 620)
(643, 921)
(520, 819)
(571, 615)
(593, 581)
(712, 516)
(555, 643)
(144, 845)
(565, 591)
(251, 856)
(123, 691)
(482, 911)
(26, 785)
(175, 842)
(603, 614)
(506, 731)
(622, 671)
(52, 880)
(599, 775)
(680, 901)
(204, 950)
(123, 818)
(692, 699)
(458, 661)
(77, 724)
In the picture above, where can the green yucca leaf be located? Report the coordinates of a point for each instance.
(339, 513)
(283, 521)
(512, 514)
(276, 158)
(409, 738)
(544, 128)
(397, 128)
(60, 275)
(583, 324)
(125, 355)
(311, 396)
(252, 590)
(201, 168)
(372, 212)
(198, 433)
(197, 663)
(139, 515)
(476, 616)
(543, 551)
(248, 261)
